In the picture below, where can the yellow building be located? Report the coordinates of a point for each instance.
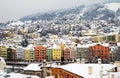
(3, 51)
(56, 52)
(62, 46)
(9, 34)
(27, 55)
(117, 38)
(99, 38)
(35, 35)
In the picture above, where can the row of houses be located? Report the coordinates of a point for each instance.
(60, 52)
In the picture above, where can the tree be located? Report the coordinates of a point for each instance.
(24, 43)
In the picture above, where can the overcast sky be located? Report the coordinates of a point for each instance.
(15, 9)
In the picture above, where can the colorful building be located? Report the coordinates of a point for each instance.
(9, 53)
(56, 52)
(82, 51)
(84, 71)
(61, 73)
(117, 38)
(31, 53)
(20, 53)
(99, 51)
(13, 54)
(49, 54)
(66, 53)
(27, 55)
(39, 53)
(3, 51)
(61, 46)
(73, 53)
(99, 38)
(108, 38)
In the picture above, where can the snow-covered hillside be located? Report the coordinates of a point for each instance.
(112, 6)
(99, 11)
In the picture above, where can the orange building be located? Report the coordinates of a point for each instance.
(13, 55)
(76, 70)
(61, 73)
(99, 51)
(66, 53)
(39, 53)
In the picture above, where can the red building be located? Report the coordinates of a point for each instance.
(99, 51)
(39, 53)
(13, 54)
(66, 53)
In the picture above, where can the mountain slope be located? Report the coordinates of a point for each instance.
(108, 11)
(52, 15)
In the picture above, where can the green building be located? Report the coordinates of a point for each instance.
(31, 55)
(82, 51)
(49, 54)
(110, 38)
(9, 53)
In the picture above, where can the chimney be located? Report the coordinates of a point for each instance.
(112, 76)
(99, 61)
(108, 75)
(83, 61)
(102, 68)
(44, 63)
(90, 70)
(78, 60)
(101, 74)
(44, 74)
(59, 64)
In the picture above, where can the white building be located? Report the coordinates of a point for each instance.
(2, 64)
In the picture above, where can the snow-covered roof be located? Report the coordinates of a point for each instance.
(49, 47)
(118, 43)
(50, 77)
(17, 23)
(56, 46)
(30, 46)
(2, 64)
(105, 44)
(2, 61)
(33, 67)
(83, 46)
(2, 74)
(82, 69)
(18, 75)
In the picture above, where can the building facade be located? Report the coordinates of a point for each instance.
(27, 55)
(61, 73)
(49, 54)
(9, 53)
(13, 54)
(66, 53)
(82, 52)
(32, 54)
(39, 53)
(73, 53)
(99, 51)
(20, 53)
(3, 51)
(56, 52)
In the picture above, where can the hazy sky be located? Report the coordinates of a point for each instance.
(15, 9)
